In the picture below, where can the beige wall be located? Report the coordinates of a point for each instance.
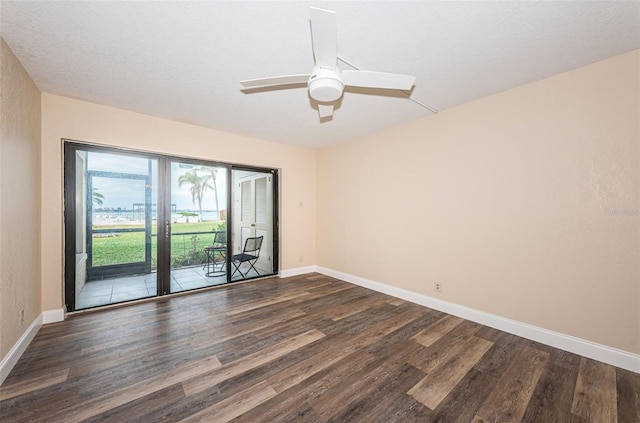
(67, 118)
(19, 200)
(525, 204)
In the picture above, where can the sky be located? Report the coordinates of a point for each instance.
(120, 192)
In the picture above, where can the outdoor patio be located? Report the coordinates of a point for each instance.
(116, 290)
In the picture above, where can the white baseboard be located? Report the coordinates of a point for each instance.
(297, 271)
(19, 348)
(53, 316)
(599, 352)
(10, 360)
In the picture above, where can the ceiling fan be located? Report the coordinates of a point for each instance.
(326, 81)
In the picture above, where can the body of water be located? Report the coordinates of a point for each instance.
(136, 217)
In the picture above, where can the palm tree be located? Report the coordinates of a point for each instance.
(97, 198)
(197, 187)
(210, 176)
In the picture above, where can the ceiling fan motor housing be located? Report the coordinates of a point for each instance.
(325, 85)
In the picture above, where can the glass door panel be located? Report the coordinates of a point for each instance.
(253, 224)
(198, 226)
(115, 223)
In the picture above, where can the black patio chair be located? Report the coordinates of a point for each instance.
(250, 254)
(216, 254)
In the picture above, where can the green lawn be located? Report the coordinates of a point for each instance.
(126, 247)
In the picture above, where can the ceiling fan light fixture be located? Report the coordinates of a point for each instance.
(325, 85)
(325, 89)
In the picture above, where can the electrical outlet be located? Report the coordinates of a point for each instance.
(301, 259)
(437, 286)
(21, 317)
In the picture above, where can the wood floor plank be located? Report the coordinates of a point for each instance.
(128, 356)
(437, 330)
(329, 301)
(204, 381)
(360, 322)
(318, 362)
(117, 371)
(234, 406)
(33, 384)
(386, 344)
(490, 334)
(360, 383)
(353, 389)
(386, 391)
(205, 340)
(354, 307)
(405, 409)
(628, 391)
(509, 399)
(595, 395)
(285, 326)
(232, 350)
(314, 277)
(395, 301)
(103, 339)
(313, 387)
(269, 369)
(32, 407)
(301, 413)
(553, 395)
(306, 368)
(86, 409)
(431, 390)
(498, 358)
(141, 409)
(318, 292)
(348, 293)
(445, 349)
(375, 316)
(462, 403)
(264, 303)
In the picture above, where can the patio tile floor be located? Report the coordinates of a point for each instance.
(128, 288)
(115, 290)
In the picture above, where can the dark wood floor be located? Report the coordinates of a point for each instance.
(304, 349)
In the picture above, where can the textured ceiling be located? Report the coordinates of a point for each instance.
(183, 60)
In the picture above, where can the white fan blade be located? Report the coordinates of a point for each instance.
(324, 35)
(369, 79)
(275, 80)
(325, 110)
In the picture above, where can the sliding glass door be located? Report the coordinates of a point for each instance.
(113, 226)
(198, 225)
(140, 225)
